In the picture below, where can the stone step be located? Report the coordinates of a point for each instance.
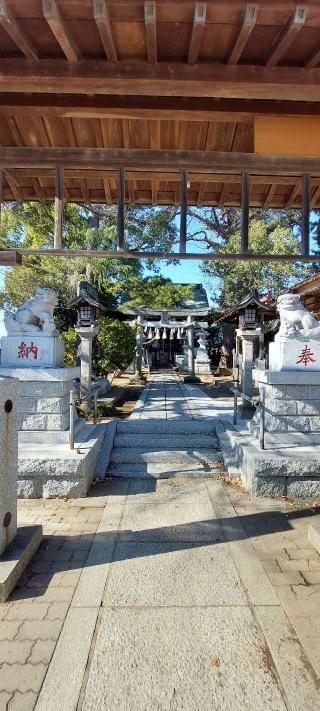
(135, 455)
(274, 440)
(171, 426)
(164, 470)
(168, 441)
(314, 535)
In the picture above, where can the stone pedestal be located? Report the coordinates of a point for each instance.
(292, 407)
(44, 397)
(86, 334)
(31, 351)
(17, 546)
(294, 354)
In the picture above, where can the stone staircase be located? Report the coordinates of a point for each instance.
(158, 448)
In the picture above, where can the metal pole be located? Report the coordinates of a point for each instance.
(71, 432)
(262, 416)
(95, 397)
(139, 347)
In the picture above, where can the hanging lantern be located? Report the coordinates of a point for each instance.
(150, 333)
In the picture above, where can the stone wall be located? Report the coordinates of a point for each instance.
(292, 408)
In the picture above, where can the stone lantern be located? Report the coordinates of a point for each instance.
(88, 306)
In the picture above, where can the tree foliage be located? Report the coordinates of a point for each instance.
(116, 343)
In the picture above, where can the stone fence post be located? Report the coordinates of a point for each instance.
(9, 391)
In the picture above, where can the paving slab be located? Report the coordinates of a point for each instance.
(181, 659)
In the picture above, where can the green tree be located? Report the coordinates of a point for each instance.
(237, 279)
(156, 292)
(115, 348)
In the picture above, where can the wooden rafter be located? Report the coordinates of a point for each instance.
(150, 21)
(126, 144)
(223, 195)
(12, 184)
(12, 26)
(174, 79)
(248, 25)
(315, 196)
(121, 209)
(288, 35)
(60, 31)
(292, 197)
(101, 14)
(155, 145)
(198, 27)
(269, 196)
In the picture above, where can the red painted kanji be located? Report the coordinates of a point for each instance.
(24, 350)
(306, 356)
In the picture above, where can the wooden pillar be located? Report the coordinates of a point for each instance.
(183, 211)
(1, 193)
(139, 348)
(305, 226)
(58, 208)
(121, 207)
(245, 214)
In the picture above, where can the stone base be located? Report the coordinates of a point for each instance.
(314, 536)
(44, 397)
(31, 350)
(16, 558)
(292, 407)
(50, 471)
(270, 473)
(294, 355)
(202, 367)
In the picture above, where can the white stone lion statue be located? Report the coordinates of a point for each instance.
(296, 322)
(35, 315)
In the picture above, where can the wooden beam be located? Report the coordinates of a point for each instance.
(174, 79)
(10, 258)
(199, 23)
(169, 256)
(150, 107)
(305, 224)
(60, 31)
(12, 184)
(269, 196)
(245, 203)
(159, 161)
(12, 26)
(222, 197)
(121, 208)
(288, 35)
(183, 211)
(248, 25)
(58, 209)
(101, 14)
(150, 21)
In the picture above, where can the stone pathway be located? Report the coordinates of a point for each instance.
(165, 595)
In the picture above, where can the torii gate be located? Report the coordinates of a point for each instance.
(165, 323)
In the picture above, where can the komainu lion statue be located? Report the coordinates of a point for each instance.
(35, 315)
(295, 320)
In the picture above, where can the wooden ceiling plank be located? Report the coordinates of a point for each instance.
(150, 21)
(248, 25)
(13, 28)
(101, 14)
(60, 31)
(126, 144)
(223, 195)
(198, 27)
(155, 137)
(14, 128)
(41, 130)
(287, 36)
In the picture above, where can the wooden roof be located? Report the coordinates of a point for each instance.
(162, 75)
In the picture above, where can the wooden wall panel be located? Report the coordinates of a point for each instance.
(287, 135)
